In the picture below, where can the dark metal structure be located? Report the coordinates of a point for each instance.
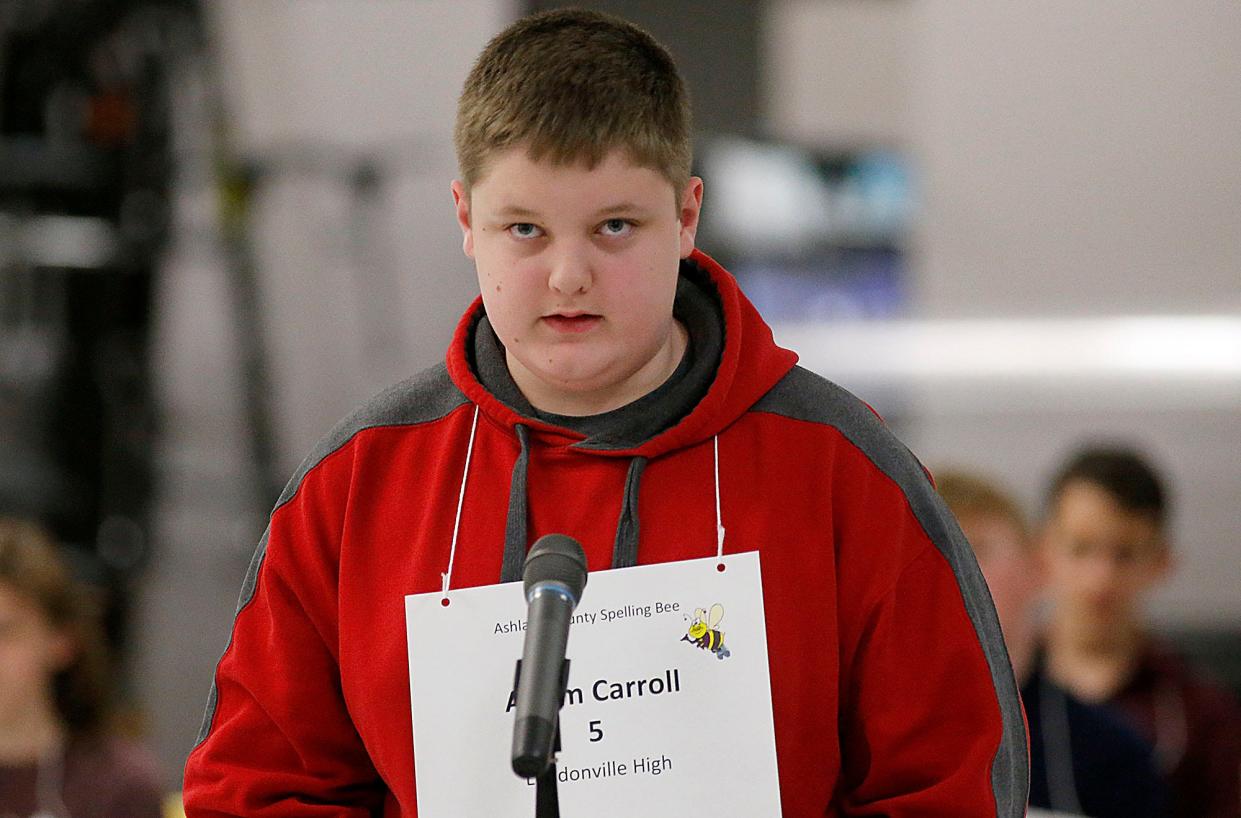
(85, 171)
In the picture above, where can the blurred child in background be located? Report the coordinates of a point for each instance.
(1106, 549)
(1084, 759)
(57, 757)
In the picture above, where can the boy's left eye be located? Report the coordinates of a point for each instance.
(524, 230)
(616, 227)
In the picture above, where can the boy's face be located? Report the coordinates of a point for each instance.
(578, 270)
(31, 653)
(1008, 565)
(1101, 559)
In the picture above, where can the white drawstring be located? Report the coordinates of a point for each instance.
(719, 519)
(1171, 727)
(469, 453)
(49, 784)
(456, 526)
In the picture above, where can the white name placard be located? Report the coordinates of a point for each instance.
(668, 709)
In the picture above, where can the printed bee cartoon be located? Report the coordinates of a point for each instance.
(704, 631)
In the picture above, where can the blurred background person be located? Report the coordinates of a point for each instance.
(1106, 549)
(58, 756)
(1084, 759)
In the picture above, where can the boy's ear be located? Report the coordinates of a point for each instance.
(1038, 579)
(461, 198)
(1164, 561)
(62, 650)
(1040, 544)
(688, 212)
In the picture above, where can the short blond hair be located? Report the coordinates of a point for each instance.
(573, 86)
(972, 495)
(31, 565)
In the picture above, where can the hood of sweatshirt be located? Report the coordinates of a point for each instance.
(732, 361)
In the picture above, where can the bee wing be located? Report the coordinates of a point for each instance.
(700, 615)
(717, 613)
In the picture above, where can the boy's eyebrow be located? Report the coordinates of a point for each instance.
(516, 212)
(519, 212)
(620, 207)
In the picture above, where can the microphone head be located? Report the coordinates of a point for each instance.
(556, 558)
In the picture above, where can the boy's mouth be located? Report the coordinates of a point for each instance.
(572, 322)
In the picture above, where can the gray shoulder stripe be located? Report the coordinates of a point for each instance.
(426, 397)
(802, 395)
(247, 594)
(423, 398)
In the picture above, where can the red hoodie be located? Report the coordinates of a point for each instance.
(891, 690)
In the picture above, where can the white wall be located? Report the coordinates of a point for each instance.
(1079, 157)
(314, 85)
(837, 74)
(1082, 159)
(1074, 159)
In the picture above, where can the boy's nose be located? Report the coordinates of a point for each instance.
(570, 273)
(1100, 574)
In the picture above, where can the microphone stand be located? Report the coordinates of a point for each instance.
(546, 796)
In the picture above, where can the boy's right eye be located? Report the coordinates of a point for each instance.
(524, 230)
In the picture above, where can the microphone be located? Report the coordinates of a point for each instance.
(554, 577)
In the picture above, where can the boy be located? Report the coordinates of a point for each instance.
(1084, 759)
(1106, 549)
(613, 384)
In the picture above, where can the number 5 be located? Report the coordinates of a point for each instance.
(596, 732)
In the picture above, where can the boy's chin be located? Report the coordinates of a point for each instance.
(573, 389)
(1104, 616)
(576, 384)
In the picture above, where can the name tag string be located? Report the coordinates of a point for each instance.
(456, 526)
(719, 518)
(446, 576)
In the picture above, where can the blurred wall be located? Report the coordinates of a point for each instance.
(1073, 160)
(314, 86)
(838, 75)
(1082, 159)
(1079, 157)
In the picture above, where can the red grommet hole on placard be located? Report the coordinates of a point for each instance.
(445, 602)
(720, 567)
